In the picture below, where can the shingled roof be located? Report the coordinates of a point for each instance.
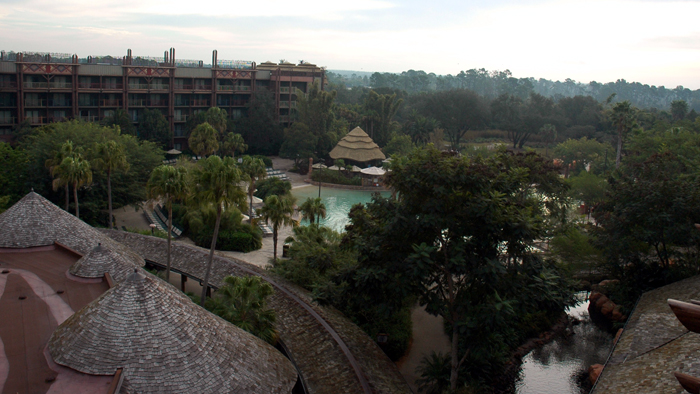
(99, 260)
(36, 221)
(166, 343)
(357, 146)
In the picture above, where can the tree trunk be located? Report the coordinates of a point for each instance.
(251, 190)
(274, 242)
(619, 149)
(170, 230)
(109, 197)
(67, 196)
(205, 285)
(454, 350)
(75, 198)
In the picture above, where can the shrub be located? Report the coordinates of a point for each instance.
(243, 238)
(265, 159)
(272, 186)
(337, 177)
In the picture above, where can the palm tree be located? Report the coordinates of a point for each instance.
(171, 184)
(203, 140)
(233, 143)
(278, 211)
(623, 119)
(75, 171)
(216, 182)
(111, 157)
(243, 302)
(255, 169)
(52, 164)
(313, 208)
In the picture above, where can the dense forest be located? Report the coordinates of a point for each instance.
(491, 84)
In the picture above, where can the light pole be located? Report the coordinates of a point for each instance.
(319, 178)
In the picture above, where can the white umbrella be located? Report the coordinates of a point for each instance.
(257, 200)
(318, 165)
(356, 169)
(173, 152)
(334, 168)
(373, 171)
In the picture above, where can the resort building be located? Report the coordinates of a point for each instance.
(42, 88)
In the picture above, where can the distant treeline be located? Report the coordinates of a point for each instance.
(491, 84)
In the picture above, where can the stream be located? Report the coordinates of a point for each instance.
(561, 366)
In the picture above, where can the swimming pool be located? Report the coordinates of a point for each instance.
(337, 201)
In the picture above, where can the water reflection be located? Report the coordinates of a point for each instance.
(561, 365)
(337, 201)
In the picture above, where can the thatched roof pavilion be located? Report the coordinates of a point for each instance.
(357, 146)
(102, 259)
(35, 221)
(166, 343)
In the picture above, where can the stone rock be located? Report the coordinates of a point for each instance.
(607, 309)
(602, 301)
(594, 372)
(608, 282)
(594, 296)
(617, 336)
(617, 315)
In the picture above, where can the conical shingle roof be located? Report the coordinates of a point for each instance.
(166, 343)
(357, 146)
(99, 260)
(36, 221)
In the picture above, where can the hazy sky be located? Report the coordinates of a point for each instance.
(653, 42)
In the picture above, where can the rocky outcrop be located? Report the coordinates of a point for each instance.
(600, 303)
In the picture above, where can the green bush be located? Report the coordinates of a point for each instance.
(244, 238)
(265, 159)
(272, 186)
(337, 177)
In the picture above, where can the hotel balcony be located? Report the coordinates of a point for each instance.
(7, 120)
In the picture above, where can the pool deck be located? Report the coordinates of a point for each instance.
(653, 346)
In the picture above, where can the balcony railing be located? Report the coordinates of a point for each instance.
(284, 90)
(137, 103)
(287, 104)
(182, 103)
(180, 86)
(225, 87)
(60, 85)
(181, 118)
(284, 119)
(8, 84)
(36, 119)
(35, 103)
(88, 103)
(97, 85)
(7, 119)
(200, 103)
(138, 86)
(158, 103)
(202, 87)
(36, 85)
(59, 103)
(53, 119)
(111, 103)
(90, 118)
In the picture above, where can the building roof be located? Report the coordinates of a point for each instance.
(653, 345)
(35, 221)
(102, 259)
(357, 146)
(164, 342)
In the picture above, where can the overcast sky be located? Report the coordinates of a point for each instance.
(653, 42)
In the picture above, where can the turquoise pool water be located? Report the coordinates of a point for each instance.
(338, 203)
